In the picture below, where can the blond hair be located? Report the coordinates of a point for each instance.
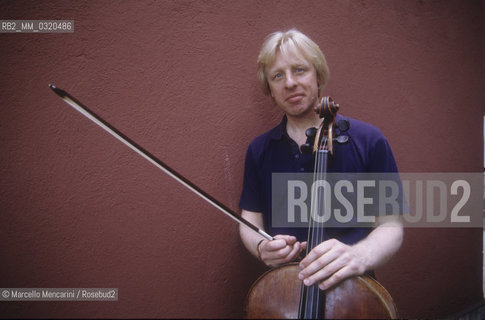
(291, 42)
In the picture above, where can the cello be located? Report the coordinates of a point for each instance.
(279, 294)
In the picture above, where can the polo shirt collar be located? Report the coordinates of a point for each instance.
(280, 130)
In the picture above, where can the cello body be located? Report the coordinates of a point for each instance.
(276, 295)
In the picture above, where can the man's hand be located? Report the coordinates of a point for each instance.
(282, 249)
(331, 262)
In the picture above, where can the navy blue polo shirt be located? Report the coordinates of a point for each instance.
(275, 152)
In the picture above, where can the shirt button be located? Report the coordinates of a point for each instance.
(302, 169)
(297, 156)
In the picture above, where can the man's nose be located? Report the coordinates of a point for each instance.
(290, 81)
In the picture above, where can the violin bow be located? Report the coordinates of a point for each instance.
(77, 105)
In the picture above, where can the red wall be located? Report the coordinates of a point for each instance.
(79, 209)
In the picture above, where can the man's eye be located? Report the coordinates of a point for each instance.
(277, 76)
(299, 70)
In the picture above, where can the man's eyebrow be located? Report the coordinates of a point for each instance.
(273, 70)
(293, 65)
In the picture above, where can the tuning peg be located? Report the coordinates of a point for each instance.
(311, 132)
(343, 125)
(310, 139)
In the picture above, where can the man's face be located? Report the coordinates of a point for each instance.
(293, 84)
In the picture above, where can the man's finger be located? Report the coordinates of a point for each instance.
(335, 278)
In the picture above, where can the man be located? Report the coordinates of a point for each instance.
(293, 71)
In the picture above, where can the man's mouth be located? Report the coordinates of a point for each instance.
(295, 97)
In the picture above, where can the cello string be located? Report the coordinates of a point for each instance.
(321, 198)
(308, 299)
(317, 233)
(306, 296)
(315, 228)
